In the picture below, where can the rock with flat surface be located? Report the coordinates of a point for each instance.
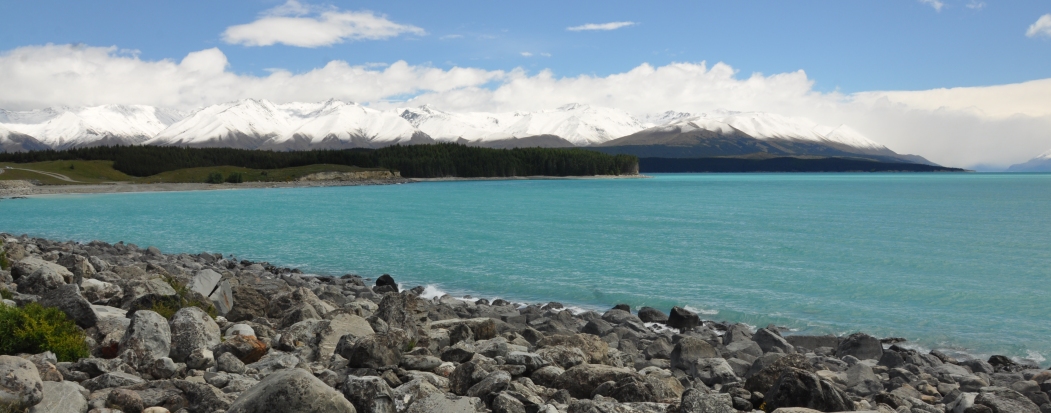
(205, 281)
(62, 397)
(652, 315)
(860, 345)
(147, 338)
(771, 341)
(101, 292)
(439, 402)
(20, 383)
(762, 380)
(192, 329)
(67, 298)
(801, 388)
(111, 380)
(683, 319)
(248, 349)
(690, 349)
(581, 381)
(291, 391)
(369, 394)
(1004, 400)
(696, 401)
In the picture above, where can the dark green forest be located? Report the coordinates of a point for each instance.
(413, 161)
(783, 164)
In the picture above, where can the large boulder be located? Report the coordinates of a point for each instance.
(581, 381)
(1003, 400)
(205, 281)
(862, 381)
(111, 380)
(860, 345)
(801, 388)
(402, 311)
(101, 292)
(223, 298)
(291, 391)
(329, 332)
(683, 319)
(68, 299)
(771, 341)
(192, 329)
(697, 401)
(440, 402)
(652, 315)
(712, 371)
(376, 351)
(248, 349)
(690, 349)
(62, 397)
(147, 338)
(45, 278)
(20, 384)
(369, 394)
(596, 350)
(29, 265)
(769, 372)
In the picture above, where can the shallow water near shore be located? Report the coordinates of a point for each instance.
(950, 261)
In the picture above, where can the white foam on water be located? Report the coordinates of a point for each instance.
(700, 311)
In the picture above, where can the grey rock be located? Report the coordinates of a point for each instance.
(813, 342)
(770, 341)
(712, 371)
(369, 394)
(403, 311)
(164, 368)
(101, 292)
(860, 345)
(62, 397)
(205, 281)
(563, 356)
(420, 363)
(801, 388)
(1004, 400)
(737, 332)
(771, 367)
(376, 351)
(229, 363)
(489, 386)
(504, 402)
(202, 397)
(652, 315)
(45, 278)
(547, 376)
(744, 349)
(125, 400)
(696, 401)
(330, 331)
(67, 298)
(200, 359)
(29, 265)
(111, 380)
(273, 362)
(20, 383)
(597, 327)
(581, 381)
(223, 298)
(293, 391)
(191, 329)
(408, 393)
(446, 404)
(531, 361)
(861, 380)
(683, 319)
(688, 350)
(148, 338)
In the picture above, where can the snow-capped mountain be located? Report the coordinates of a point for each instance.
(581, 125)
(334, 124)
(1041, 163)
(64, 127)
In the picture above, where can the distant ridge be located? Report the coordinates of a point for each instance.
(1040, 163)
(335, 124)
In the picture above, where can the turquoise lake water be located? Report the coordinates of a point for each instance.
(950, 261)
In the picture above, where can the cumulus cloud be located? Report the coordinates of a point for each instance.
(936, 4)
(526, 54)
(602, 26)
(960, 126)
(298, 24)
(1042, 27)
(976, 5)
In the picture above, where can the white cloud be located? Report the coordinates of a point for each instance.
(960, 126)
(526, 54)
(603, 26)
(1042, 27)
(976, 5)
(936, 4)
(451, 36)
(546, 54)
(297, 24)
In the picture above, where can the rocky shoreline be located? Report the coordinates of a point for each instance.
(251, 337)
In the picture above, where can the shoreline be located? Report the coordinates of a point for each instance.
(25, 188)
(342, 332)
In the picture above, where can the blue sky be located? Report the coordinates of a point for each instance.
(851, 46)
(962, 82)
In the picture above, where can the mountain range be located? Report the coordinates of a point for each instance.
(1040, 163)
(334, 124)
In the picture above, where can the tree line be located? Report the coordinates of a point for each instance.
(413, 161)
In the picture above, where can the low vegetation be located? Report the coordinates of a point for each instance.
(184, 297)
(35, 329)
(413, 161)
(4, 263)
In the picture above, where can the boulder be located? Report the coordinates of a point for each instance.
(402, 311)
(20, 384)
(191, 329)
(223, 298)
(202, 397)
(482, 328)
(329, 332)
(376, 351)
(493, 383)
(29, 265)
(62, 397)
(386, 280)
(597, 327)
(633, 389)
(291, 391)
(860, 345)
(690, 349)
(712, 371)
(697, 401)
(420, 363)
(248, 349)
(68, 299)
(78, 265)
(45, 278)
(369, 394)
(771, 341)
(769, 371)
(205, 281)
(581, 381)
(531, 361)
(683, 319)
(862, 381)
(111, 380)
(229, 363)
(596, 350)
(439, 402)
(200, 359)
(125, 400)
(814, 342)
(801, 388)
(147, 338)
(652, 315)
(1003, 400)
(101, 292)
(736, 333)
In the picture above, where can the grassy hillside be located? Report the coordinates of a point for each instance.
(99, 172)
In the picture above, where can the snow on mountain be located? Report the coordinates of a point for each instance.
(345, 121)
(99, 125)
(581, 125)
(1041, 163)
(765, 126)
(17, 142)
(244, 123)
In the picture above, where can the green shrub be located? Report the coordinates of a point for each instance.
(35, 329)
(7, 295)
(235, 178)
(214, 178)
(4, 263)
